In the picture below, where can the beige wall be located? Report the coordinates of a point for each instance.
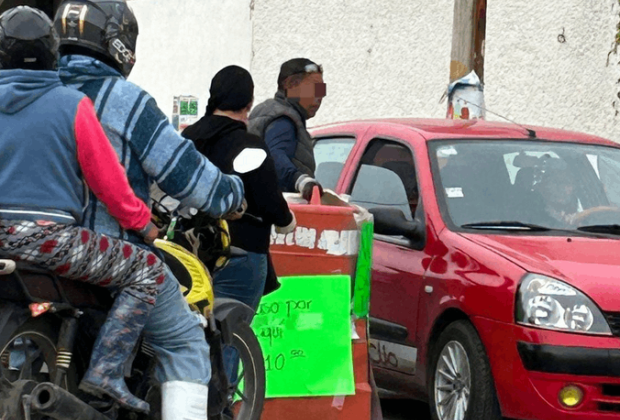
(183, 43)
(380, 58)
(533, 78)
(391, 58)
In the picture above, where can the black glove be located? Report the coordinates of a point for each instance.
(305, 185)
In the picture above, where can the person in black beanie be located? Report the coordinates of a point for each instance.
(221, 135)
(232, 89)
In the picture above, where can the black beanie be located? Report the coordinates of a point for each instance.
(232, 89)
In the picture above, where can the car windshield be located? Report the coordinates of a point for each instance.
(528, 185)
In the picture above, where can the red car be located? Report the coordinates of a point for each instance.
(496, 274)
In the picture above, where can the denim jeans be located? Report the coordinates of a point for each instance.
(243, 279)
(175, 334)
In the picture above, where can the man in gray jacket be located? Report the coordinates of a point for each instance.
(281, 121)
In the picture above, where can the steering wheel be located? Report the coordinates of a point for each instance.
(598, 216)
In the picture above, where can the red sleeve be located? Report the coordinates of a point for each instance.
(103, 172)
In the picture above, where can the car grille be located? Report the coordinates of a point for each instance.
(613, 319)
(611, 390)
(609, 403)
(609, 407)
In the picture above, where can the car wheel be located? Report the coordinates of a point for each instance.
(461, 385)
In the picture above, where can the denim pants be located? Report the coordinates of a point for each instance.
(243, 279)
(175, 334)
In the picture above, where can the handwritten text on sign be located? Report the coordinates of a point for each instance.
(304, 329)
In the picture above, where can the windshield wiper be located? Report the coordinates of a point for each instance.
(613, 229)
(598, 231)
(507, 225)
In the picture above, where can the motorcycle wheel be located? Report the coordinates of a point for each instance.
(30, 354)
(252, 375)
(246, 403)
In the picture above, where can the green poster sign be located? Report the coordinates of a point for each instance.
(361, 293)
(188, 107)
(304, 329)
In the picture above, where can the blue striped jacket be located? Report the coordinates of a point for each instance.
(148, 147)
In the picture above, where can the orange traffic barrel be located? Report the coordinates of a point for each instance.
(325, 242)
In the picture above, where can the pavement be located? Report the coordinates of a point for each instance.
(404, 410)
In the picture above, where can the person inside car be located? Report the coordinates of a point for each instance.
(51, 147)
(96, 60)
(560, 202)
(562, 206)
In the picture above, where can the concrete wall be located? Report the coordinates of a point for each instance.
(380, 58)
(532, 77)
(391, 58)
(183, 43)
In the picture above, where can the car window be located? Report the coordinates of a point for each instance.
(553, 184)
(330, 155)
(386, 177)
(608, 169)
(594, 162)
(379, 187)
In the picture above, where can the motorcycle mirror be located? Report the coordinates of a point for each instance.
(248, 160)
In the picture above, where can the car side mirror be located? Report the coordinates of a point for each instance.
(392, 221)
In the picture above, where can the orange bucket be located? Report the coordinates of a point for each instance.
(326, 241)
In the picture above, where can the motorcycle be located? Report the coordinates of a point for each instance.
(48, 326)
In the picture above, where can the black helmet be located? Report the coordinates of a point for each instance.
(27, 40)
(107, 28)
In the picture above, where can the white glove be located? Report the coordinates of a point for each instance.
(305, 185)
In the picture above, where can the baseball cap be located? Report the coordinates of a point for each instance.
(298, 66)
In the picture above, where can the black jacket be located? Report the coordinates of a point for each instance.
(221, 139)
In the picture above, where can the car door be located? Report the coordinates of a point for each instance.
(385, 175)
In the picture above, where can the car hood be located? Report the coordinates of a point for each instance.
(590, 264)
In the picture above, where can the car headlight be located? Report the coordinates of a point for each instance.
(546, 302)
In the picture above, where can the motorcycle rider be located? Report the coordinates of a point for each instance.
(97, 47)
(44, 168)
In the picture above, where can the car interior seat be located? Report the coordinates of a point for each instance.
(528, 202)
(328, 173)
(480, 189)
(406, 172)
(376, 186)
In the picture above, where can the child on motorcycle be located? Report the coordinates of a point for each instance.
(51, 147)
